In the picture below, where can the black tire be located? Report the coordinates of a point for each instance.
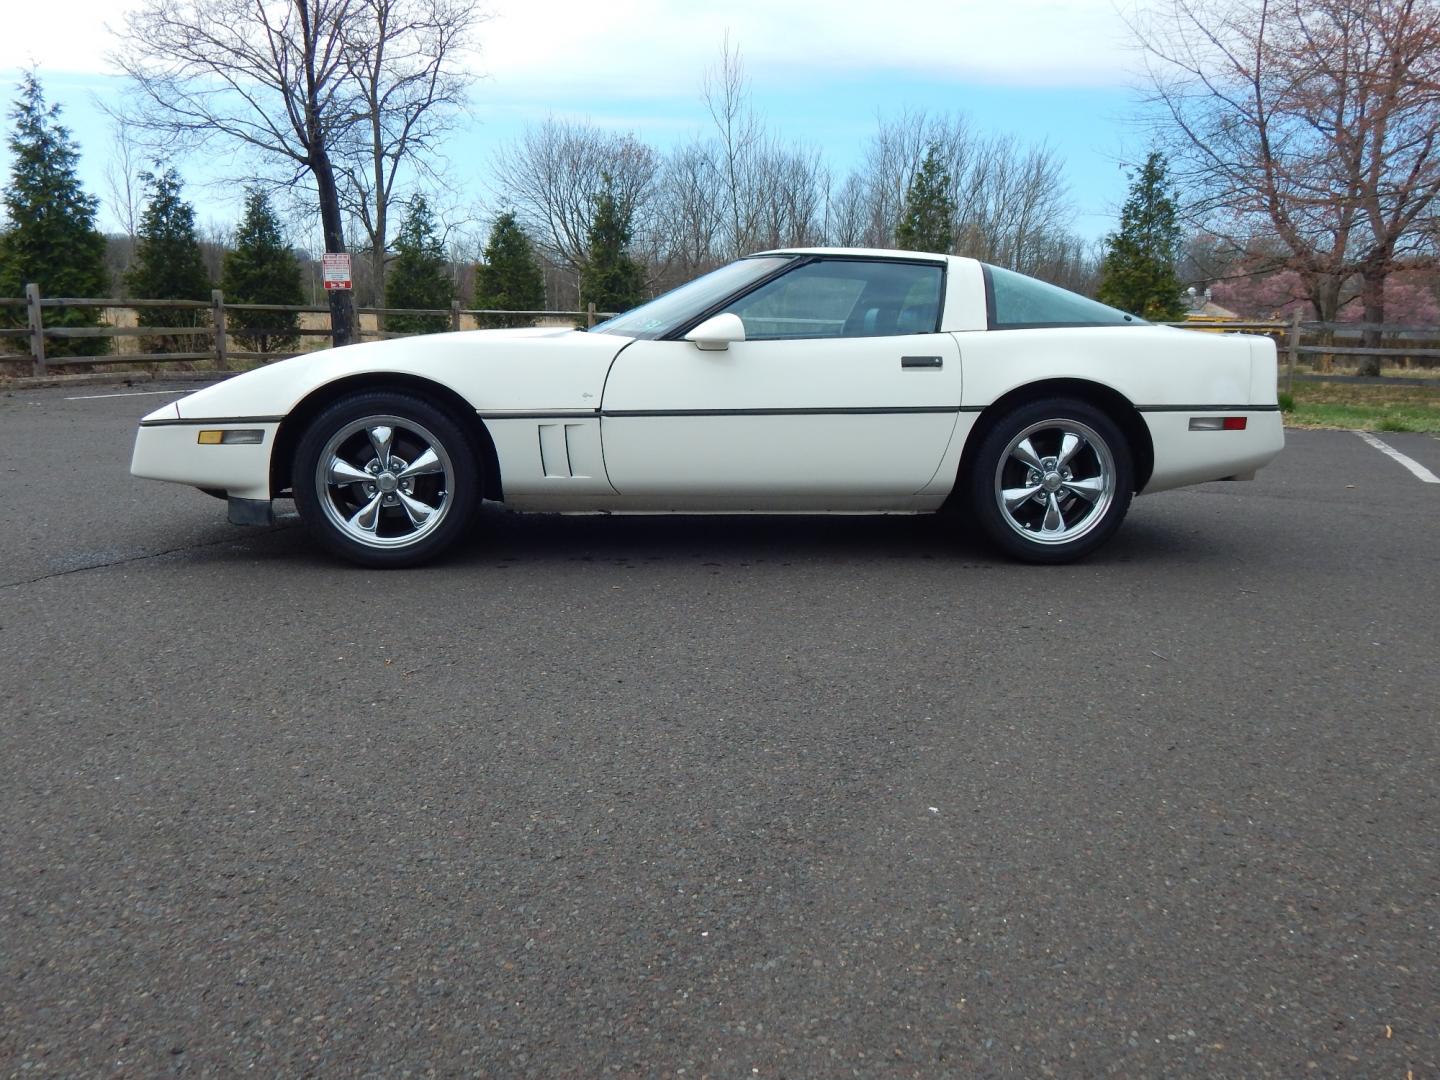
(402, 511)
(1075, 468)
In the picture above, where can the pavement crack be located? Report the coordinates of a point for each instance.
(135, 559)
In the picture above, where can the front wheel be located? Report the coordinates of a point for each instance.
(1051, 481)
(385, 479)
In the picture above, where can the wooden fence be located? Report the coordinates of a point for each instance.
(1296, 339)
(215, 335)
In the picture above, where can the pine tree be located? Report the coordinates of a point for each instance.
(610, 278)
(168, 265)
(928, 220)
(1138, 274)
(419, 277)
(509, 279)
(262, 269)
(51, 240)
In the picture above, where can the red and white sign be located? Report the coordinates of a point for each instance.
(335, 270)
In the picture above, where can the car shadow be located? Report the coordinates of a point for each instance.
(499, 537)
(556, 537)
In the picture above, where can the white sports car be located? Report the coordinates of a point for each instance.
(804, 381)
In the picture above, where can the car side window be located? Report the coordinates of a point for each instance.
(1018, 302)
(835, 298)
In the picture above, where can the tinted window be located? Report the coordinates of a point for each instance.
(1018, 302)
(844, 298)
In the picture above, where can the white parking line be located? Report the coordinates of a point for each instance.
(1415, 467)
(137, 393)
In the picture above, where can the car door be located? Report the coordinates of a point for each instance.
(843, 391)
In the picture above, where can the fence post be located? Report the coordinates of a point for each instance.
(36, 322)
(454, 314)
(590, 313)
(217, 312)
(1293, 350)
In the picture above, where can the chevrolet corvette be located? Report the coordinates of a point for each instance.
(799, 381)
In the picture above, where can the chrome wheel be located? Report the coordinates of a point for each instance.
(1055, 481)
(384, 481)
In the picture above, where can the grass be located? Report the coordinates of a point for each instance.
(1363, 407)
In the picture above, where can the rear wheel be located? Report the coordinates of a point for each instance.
(385, 479)
(1051, 481)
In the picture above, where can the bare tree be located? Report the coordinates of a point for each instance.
(216, 238)
(846, 213)
(770, 193)
(1018, 204)
(552, 176)
(297, 86)
(727, 98)
(123, 183)
(691, 205)
(1011, 202)
(405, 63)
(266, 75)
(786, 196)
(895, 152)
(1317, 121)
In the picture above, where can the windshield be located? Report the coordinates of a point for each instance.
(669, 310)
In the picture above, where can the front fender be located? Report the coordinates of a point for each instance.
(493, 370)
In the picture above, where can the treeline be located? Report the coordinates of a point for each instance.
(591, 216)
(1295, 159)
(51, 239)
(740, 187)
(743, 189)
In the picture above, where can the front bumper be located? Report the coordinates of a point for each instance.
(167, 449)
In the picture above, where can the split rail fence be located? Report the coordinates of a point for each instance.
(1298, 341)
(214, 338)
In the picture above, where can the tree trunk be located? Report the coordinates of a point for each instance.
(342, 301)
(382, 206)
(377, 262)
(1325, 296)
(1372, 299)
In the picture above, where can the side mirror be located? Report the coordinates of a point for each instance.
(717, 332)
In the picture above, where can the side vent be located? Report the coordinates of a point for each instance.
(555, 457)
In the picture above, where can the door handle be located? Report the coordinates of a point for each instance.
(922, 361)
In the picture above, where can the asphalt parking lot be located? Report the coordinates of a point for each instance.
(797, 797)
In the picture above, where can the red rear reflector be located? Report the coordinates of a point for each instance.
(1218, 423)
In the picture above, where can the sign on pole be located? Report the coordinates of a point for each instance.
(335, 270)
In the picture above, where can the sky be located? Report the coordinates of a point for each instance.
(1052, 71)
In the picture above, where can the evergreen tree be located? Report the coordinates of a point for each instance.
(509, 279)
(261, 269)
(168, 265)
(51, 240)
(419, 276)
(610, 278)
(1138, 274)
(928, 220)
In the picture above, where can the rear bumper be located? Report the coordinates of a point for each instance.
(1185, 457)
(168, 450)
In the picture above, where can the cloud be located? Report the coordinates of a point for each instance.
(67, 36)
(820, 70)
(645, 48)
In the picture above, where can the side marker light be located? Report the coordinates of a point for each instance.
(234, 437)
(1218, 423)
